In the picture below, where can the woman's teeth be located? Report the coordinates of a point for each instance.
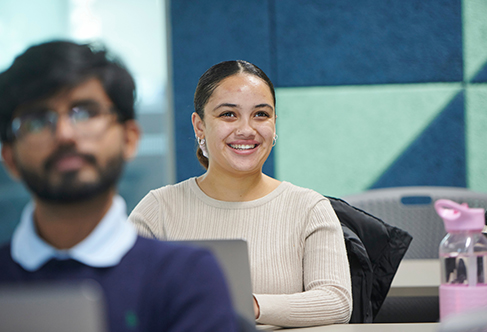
(242, 146)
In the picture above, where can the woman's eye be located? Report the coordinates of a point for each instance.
(262, 114)
(227, 114)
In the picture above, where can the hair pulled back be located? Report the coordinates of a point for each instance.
(212, 78)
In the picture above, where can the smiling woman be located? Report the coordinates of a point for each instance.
(238, 128)
(299, 267)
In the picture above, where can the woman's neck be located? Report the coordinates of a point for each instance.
(231, 188)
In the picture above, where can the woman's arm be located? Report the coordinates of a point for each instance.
(326, 278)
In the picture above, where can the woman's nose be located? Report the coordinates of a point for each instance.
(245, 128)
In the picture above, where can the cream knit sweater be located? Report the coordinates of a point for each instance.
(300, 272)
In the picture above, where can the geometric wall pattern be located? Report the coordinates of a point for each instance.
(370, 93)
(438, 151)
(341, 140)
(476, 136)
(205, 32)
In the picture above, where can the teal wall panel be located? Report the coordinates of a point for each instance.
(349, 42)
(340, 140)
(362, 87)
(437, 155)
(476, 136)
(474, 13)
(205, 32)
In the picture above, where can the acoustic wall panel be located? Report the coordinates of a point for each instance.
(476, 136)
(436, 157)
(367, 91)
(348, 42)
(474, 39)
(203, 33)
(340, 140)
(481, 75)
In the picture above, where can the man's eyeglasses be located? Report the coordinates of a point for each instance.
(38, 126)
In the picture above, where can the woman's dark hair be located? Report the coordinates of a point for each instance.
(212, 78)
(45, 69)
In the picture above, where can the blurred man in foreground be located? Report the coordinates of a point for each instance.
(67, 128)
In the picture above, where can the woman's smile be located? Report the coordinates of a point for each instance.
(242, 146)
(239, 124)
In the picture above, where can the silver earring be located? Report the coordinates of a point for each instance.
(202, 145)
(274, 140)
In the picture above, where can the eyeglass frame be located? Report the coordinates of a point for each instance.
(52, 124)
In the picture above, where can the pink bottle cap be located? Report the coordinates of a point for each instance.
(459, 217)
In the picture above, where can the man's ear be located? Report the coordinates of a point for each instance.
(132, 136)
(198, 125)
(9, 160)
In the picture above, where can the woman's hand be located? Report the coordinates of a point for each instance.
(256, 309)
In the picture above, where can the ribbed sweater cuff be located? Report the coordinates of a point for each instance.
(272, 310)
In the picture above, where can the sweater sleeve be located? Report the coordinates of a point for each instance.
(326, 298)
(146, 217)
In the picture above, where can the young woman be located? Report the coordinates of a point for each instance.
(300, 272)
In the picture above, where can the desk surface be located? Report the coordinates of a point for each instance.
(409, 327)
(416, 277)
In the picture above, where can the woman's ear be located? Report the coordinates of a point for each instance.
(198, 125)
(132, 136)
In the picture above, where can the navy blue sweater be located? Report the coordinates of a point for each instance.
(168, 287)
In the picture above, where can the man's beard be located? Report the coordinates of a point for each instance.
(69, 189)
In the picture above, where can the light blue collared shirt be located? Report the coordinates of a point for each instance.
(111, 239)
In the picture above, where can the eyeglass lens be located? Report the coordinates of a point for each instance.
(39, 125)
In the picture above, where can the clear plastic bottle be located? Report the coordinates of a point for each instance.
(463, 258)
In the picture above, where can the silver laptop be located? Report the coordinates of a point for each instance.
(52, 307)
(233, 257)
(80, 307)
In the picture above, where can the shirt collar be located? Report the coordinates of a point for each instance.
(112, 238)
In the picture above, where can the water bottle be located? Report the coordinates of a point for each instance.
(463, 258)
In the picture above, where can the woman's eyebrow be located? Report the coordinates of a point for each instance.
(236, 106)
(226, 105)
(263, 105)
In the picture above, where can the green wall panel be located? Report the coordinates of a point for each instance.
(338, 140)
(474, 14)
(476, 125)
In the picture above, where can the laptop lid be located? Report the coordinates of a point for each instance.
(52, 307)
(233, 257)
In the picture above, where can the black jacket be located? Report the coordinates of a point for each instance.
(374, 251)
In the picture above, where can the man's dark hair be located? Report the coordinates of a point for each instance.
(45, 69)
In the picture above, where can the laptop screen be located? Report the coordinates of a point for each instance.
(233, 257)
(53, 307)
